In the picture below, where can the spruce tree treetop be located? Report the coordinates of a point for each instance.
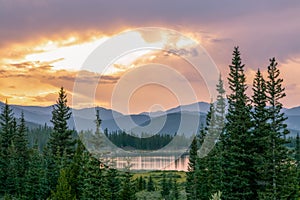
(238, 176)
(220, 105)
(61, 112)
(275, 93)
(61, 140)
(282, 179)
(7, 126)
(237, 81)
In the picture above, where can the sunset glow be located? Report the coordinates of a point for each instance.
(52, 48)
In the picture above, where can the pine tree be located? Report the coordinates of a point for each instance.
(297, 151)
(207, 141)
(220, 107)
(260, 134)
(7, 124)
(12, 176)
(93, 183)
(215, 157)
(52, 169)
(113, 182)
(75, 167)
(297, 157)
(61, 140)
(282, 177)
(190, 174)
(165, 187)
(150, 185)
(63, 188)
(175, 190)
(35, 181)
(238, 162)
(21, 149)
(127, 191)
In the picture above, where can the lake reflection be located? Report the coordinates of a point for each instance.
(154, 162)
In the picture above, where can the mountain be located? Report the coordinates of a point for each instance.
(166, 121)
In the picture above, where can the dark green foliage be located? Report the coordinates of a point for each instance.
(128, 190)
(297, 157)
(39, 136)
(113, 183)
(175, 190)
(165, 187)
(281, 177)
(191, 179)
(21, 152)
(238, 160)
(261, 136)
(7, 124)
(6, 137)
(215, 156)
(140, 184)
(61, 144)
(123, 139)
(52, 169)
(12, 180)
(207, 139)
(150, 185)
(75, 168)
(63, 188)
(93, 184)
(13, 152)
(297, 151)
(35, 176)
(61, 140)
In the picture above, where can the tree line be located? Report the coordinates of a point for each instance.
(251, 159)
(59, 169)
(53, 163)
(145, 142)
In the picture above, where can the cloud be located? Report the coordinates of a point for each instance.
(262, 29)
(36, 83)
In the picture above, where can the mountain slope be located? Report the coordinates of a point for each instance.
(113, 120)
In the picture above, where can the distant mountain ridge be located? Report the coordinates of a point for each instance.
(111, 119)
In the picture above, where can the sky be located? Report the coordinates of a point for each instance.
(44, 45)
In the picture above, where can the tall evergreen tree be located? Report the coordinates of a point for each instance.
(127, 190)
(175, 190)
(260, 134)
(150, 185)
(215, 157)
(190, 175)
(61, 140)
(220, 107)
(297, 157)
(113, 182)
(35, 181)
(165, 187)
(12, 178)
(281, 176)
(297, 151)
(7, 125)
(238, 162)
(207, 141)
(93, 183)
(63, 188)
(75, 168)
(21, 147)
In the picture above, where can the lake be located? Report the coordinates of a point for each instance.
(154, 162)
